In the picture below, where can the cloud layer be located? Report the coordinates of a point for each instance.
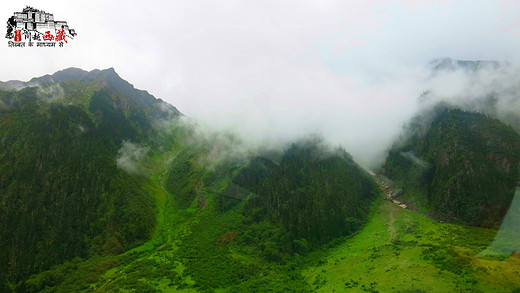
(273, 71)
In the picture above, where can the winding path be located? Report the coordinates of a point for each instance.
(391, 221)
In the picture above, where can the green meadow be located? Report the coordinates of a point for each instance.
(402, 251)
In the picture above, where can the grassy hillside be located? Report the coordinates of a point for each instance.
(402, 251)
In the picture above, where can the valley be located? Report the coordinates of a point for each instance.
(105, 188)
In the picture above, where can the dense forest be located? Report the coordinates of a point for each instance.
(460, 166)
(62, 194)
(314, 193)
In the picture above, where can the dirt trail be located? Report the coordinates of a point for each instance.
(391, 221)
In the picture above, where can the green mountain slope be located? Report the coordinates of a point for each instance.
(62, 194)
(208, 236)
(317, 195)
(459, 166)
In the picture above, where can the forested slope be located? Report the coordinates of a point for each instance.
(62, 194)
(463, 166)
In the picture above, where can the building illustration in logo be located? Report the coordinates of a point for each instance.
(34, 24)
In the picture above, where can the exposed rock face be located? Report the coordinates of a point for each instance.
(396, 193)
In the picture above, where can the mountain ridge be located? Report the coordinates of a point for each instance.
(450, 64)
(108, 76)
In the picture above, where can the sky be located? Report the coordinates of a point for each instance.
(272, 71)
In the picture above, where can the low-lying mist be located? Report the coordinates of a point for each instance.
(364, 116)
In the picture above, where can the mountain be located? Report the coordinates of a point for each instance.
(315, 194)
(448, 64)
(63, 193)
(97, 177)
(73, 84)
(487, 87)
(105, 188)
(458, 166)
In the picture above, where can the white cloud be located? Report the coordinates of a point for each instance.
(275, 70)
(130, 156)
